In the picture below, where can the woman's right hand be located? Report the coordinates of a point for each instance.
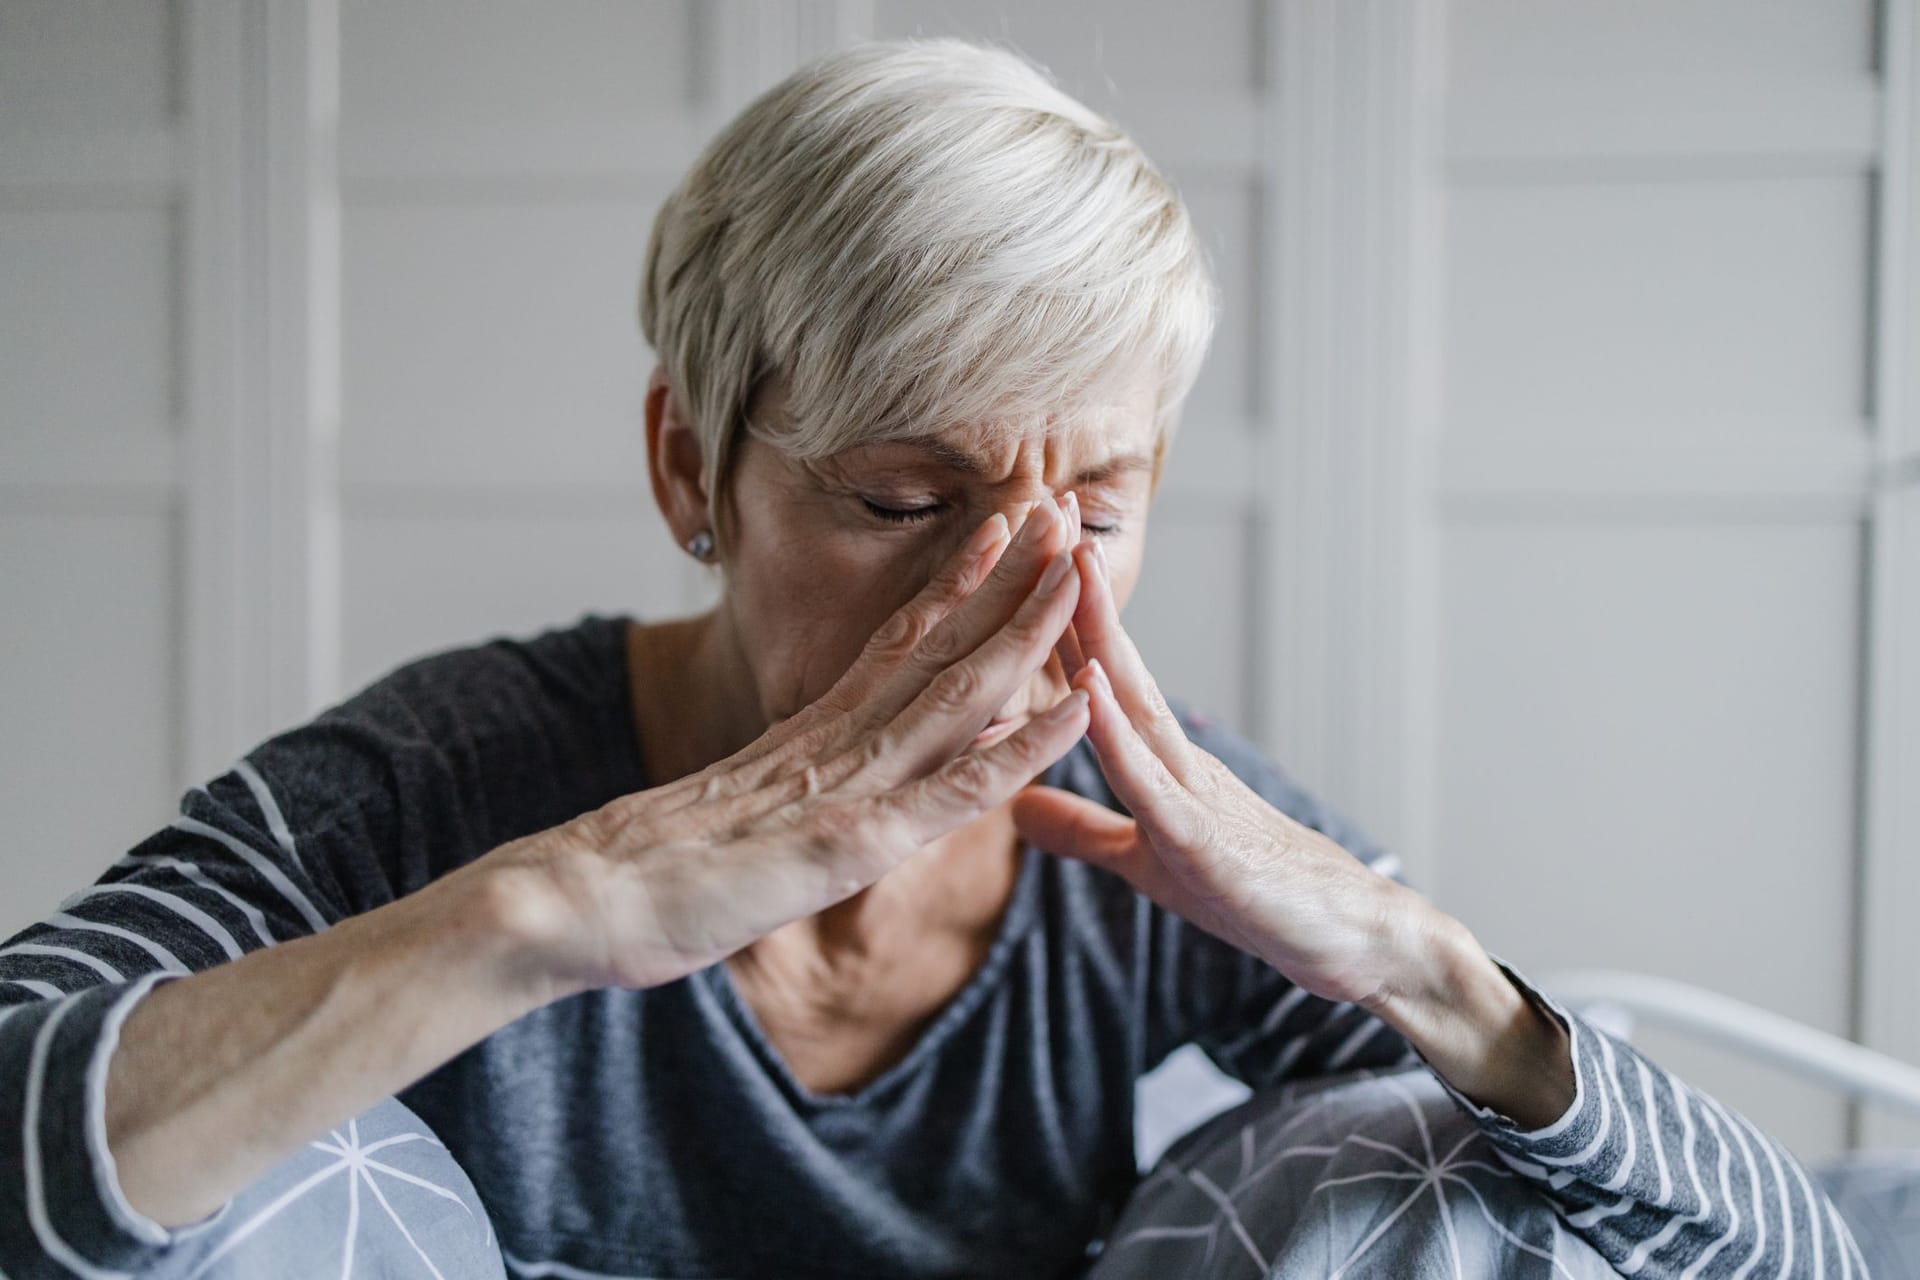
(660, 883)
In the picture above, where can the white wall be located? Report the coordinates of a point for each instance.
(1546, 501)
(1653, 475)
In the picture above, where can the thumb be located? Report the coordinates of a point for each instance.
(1073, 826)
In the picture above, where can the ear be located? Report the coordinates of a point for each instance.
(674, 463)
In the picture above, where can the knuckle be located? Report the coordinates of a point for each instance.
(596, 828)
(940, 647)
(1157, 702)
(874, 752)
(973, 779)
(813, 781)
(957, 688)
(899, 635)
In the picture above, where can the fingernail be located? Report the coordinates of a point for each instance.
(1067, 707)
(1100, 562)
(987, 536)
(1073, 511)
(1033, 525)
(1100, 675)
(1056, 573)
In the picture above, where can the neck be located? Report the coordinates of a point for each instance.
(694, 703)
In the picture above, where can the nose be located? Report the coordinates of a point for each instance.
(1067, 503)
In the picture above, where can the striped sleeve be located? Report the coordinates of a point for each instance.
(1663, 1180)
(225, 878)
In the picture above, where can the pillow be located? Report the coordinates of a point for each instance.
(1327, 1176)
(1878, 1194)
(378, 1196)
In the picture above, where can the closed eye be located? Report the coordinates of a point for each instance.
(902, 515)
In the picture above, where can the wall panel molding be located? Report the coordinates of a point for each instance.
(1351, 145)
(1508, 133)
(1887, 1016)
(263, 271)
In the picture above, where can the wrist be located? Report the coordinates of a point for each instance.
(1478, 1030)
(507, 921)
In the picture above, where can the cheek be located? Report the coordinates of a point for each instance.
(805, 607)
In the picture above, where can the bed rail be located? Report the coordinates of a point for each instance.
(1747, 1029)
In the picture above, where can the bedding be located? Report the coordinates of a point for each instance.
(1366, 1174)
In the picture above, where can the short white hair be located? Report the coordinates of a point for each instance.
(911, 236)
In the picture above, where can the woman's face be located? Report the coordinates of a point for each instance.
(823, 552)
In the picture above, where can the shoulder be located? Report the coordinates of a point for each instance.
(507, 729)
(494, 686)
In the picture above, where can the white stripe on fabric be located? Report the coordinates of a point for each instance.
(180, 907)
(94, 963)
(1813, 1220)
(1601, 1212)
(1273, 1018)
(1601, 1131)
(561, 1271)
(106, 1176)
(1842, 1241)
(200, 879)
(270, 809)
(45, 990)
(1628, 1156)
(169, 962)
(1753, 1181)
(1366, 1031)
(1699, 1266)
(1653, 1128)
(1702, 1205)
(37, 1216)
(1780, 1180)
(260, 863)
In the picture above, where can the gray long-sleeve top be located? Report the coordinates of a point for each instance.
(657, 1132)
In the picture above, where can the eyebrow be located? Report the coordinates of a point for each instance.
(960, 460)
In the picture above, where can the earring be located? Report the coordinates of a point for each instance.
(700, 545)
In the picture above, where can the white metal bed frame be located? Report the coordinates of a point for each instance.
(1609, 996)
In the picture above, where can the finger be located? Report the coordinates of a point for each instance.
(1074, 827)
(1068, 650)
(1072, 659)
(1159, 802)
(984, 613)
(903, 633)
(1096, 624)
(964, 788)
(884, 653)
(959, 702)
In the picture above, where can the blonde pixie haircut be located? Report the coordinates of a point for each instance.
(913, 236)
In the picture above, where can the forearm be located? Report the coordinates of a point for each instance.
(241, 1064)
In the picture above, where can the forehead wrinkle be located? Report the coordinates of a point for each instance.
(983, 449)
(968, 463)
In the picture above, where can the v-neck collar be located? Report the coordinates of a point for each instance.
(1018, 918)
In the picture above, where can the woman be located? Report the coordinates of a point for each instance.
(725, 946)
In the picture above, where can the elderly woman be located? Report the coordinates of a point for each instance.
(829, 932)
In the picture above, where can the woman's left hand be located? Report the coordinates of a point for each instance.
(1205, 846)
